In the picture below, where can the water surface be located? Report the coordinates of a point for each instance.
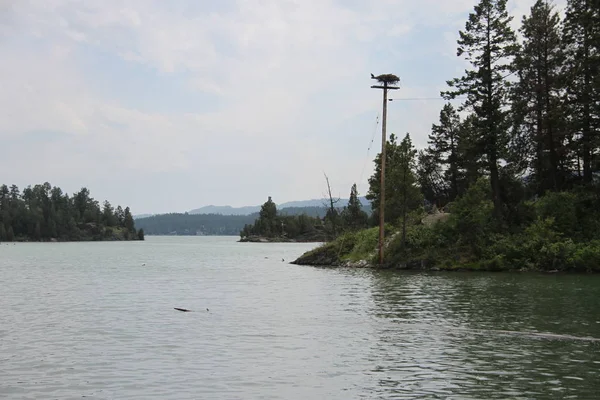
(96, 320)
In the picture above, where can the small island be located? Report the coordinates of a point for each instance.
(271, 226)
(45, 214)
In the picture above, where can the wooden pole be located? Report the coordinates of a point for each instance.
(385, 88)
(382, 183)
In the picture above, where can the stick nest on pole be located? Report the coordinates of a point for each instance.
(390, 79)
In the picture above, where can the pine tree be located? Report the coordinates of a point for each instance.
(581, 35)
(128, 220)
(120, 216)
(353, 216)
(391, 214)
(407, 195)
(443, 147)
(108, 214)
(267, 218)
(539, 121)
(431, 179)
(489, 44)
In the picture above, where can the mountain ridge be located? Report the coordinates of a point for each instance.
(247, 210)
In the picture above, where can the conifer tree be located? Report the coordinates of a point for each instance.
(443, 147)
(581, 35)
(353, 215)
(539, 122)
(407, 195)
(489, 44)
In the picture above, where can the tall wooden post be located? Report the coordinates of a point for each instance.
(382, 183)
(385, 79)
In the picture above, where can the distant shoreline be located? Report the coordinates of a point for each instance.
(263, 239)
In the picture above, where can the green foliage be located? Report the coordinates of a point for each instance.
(561, 209)
(443, 148)
(402, 193)
(488, 43)
(353, 217)
(538, 108)
(581, 38)
(271, 225)
(519, 175)
(472, 216)
(364, 245)
(44, 213)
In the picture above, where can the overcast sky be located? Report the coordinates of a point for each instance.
(171, 105)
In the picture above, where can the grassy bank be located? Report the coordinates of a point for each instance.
(557, 232)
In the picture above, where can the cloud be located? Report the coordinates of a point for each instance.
(221, 102)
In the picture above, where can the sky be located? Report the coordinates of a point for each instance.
(169, 106)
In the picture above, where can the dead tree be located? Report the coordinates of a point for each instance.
(332, 211)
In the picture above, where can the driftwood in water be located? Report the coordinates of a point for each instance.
(182, 309)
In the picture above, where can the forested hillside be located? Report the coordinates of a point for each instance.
(45, 213)
(194, 224)
(217, 224)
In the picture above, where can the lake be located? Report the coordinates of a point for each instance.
(97, 320)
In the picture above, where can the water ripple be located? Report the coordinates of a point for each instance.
(87, 320)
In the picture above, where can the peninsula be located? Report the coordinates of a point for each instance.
(514, 168)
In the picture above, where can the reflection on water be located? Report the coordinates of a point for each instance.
(487, 335)
(88, 319)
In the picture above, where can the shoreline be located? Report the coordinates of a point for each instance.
(419, 267)
(68, 241)
(263, 239)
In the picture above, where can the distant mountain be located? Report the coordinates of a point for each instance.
(226, 210)
(139, 216)
(247, 210)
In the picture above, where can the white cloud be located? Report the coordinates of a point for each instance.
(289, 81)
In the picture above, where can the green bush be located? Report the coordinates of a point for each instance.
(365, 244)
(587, 256)
(562, 208)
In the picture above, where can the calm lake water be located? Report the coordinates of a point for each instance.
(90, 320)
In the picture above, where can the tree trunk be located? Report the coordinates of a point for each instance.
(492, 151)
(539, 137)
(586, 129)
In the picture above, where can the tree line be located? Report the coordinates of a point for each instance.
(194, 224)
(532, 108)
(43, 212)
(275, 225)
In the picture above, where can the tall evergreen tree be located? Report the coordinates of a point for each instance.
(108, 214)
(537, 97)
(407, 194)
(581, 35)
(489, 44)
(268, 218)
(128, 220)
(402, 193)
(373, 195)
(353, 215)
(431, 179)
(470, 151)
(443, 146)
